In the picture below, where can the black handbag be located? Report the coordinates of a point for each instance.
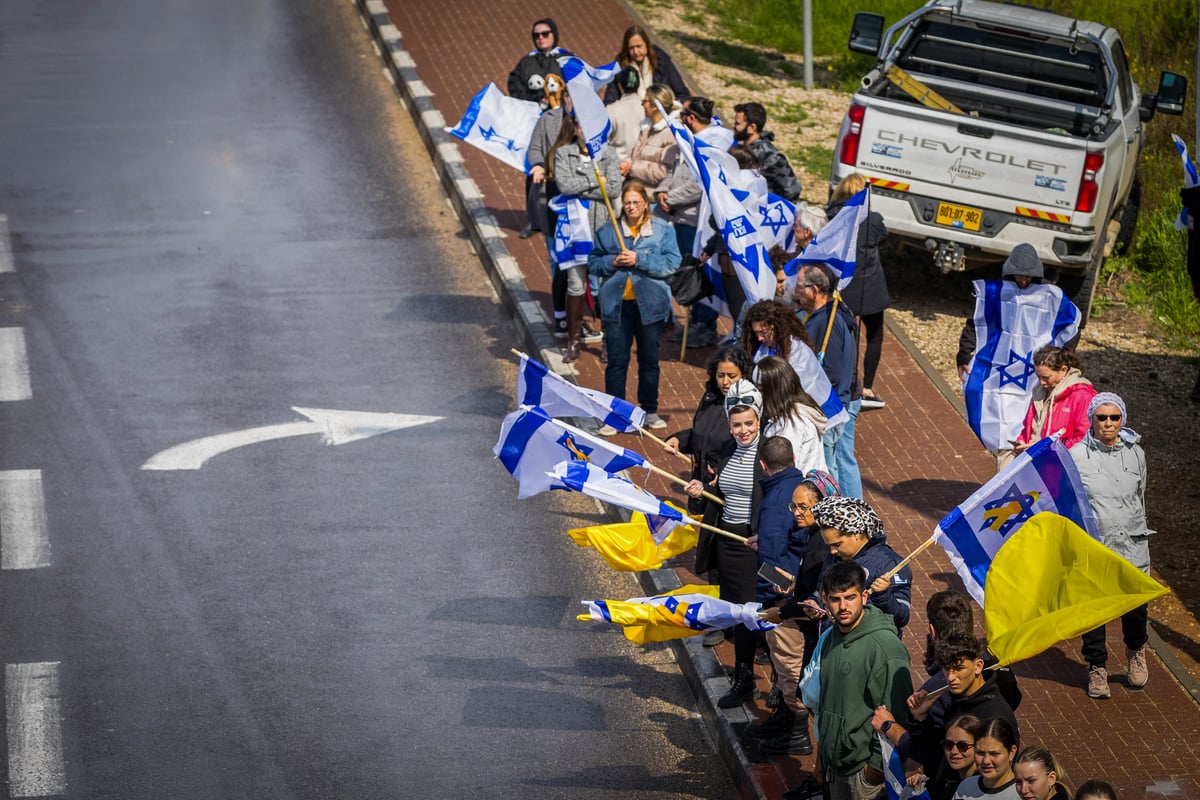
(690, 284)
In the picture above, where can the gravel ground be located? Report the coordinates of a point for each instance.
(1123, 351)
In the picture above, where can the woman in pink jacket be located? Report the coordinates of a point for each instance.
(1061, 400)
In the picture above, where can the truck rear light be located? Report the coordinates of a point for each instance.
(849, 154)
(1089, 189)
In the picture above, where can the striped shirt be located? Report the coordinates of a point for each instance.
(737, 484)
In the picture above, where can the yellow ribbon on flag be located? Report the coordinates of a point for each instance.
(1050, 582)
(652, 622)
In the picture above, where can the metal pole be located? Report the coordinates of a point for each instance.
(808, 53)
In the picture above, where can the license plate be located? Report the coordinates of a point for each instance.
(959, 216)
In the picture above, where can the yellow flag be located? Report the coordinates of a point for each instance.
(630, 546)
(653, 619)
(1051, 582)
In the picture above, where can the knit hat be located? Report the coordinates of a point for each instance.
(743, 393)
(1023, 260)
(1108, 398)
(848, 515)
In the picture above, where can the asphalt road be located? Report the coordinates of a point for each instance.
(218, 211)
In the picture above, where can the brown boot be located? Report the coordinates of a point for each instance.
(575, 306)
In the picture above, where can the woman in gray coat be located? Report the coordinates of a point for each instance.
(1113, 468)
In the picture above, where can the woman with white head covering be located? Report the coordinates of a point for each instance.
(1113, 469)
(737, 481)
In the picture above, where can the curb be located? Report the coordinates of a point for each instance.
(704, 674)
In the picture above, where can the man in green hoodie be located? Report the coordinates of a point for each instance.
(863, 665)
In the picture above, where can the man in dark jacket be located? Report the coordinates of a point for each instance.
(1191, 201)
(779, 543)
(749, 127)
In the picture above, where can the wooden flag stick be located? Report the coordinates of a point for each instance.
(925, 546)
(720, 532)
(680, 481)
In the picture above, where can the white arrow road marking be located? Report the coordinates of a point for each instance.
(6, 259)
(335, 427)
(35, 754)
(23, 540)
(14, 365)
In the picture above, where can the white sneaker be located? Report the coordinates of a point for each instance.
(1098, 683)
(607, 430)
(654, 422)
(1139, 673)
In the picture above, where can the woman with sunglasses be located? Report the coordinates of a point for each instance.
(737, 481)
(958, 745)
(1113, 469)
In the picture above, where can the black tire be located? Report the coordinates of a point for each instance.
(1129, 215)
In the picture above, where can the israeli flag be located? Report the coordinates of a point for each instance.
(603, 75)
(573, 232)
(1010, 324)
(1191, 179)
(499, 125)
(813, 380)
(776, 218)
(1042, 478)
(592, 480)
(538, 386)
(717, 171)
(836, 245)
(893, 774)
(588, 107)
(531, 443)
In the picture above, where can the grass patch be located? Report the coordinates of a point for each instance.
(815, 159)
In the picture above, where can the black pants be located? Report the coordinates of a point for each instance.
(737, 567)
(1133, 631)
(873, 323)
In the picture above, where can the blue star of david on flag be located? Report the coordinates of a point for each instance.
(774, 218)
(578, 449)
(1022, 377)
(1009, 510)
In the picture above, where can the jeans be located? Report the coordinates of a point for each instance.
(839, 453)
(619, 339)
(1133, 631)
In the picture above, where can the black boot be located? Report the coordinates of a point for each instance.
(794, 741)
(780, 722)
(743, 688)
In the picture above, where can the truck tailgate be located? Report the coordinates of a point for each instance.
(968, 160)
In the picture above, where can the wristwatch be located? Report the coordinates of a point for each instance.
(886, 726)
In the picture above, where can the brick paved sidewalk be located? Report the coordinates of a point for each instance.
(919, 459)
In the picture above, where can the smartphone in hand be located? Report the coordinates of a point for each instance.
(777, 577)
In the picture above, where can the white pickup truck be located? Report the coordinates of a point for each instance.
(984, 125)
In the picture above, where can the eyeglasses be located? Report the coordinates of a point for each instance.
(799, 508)
(542, 34)
(962, 747)
(1108, 417)
(743, 400)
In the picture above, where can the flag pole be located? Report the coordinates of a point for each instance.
(837, 296)
(925, 546)
(680, 481)
(612, 215)
(720, 532)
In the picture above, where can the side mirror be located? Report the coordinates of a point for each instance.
(1172, 93)
(866, 34)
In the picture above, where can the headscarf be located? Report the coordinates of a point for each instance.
(743, 393)
(825, 484)
(1109, 398)
(849, 515)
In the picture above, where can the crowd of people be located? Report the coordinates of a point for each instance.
(768, 465)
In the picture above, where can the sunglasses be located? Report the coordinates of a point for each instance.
(1108, 417)
(962, 747)
(542, 34)
(744, 400)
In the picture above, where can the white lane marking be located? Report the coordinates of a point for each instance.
(6, 259)
(335, 427)
(23, 540)
(14, 365)
(35, 753)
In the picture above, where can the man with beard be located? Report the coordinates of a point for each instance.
(749, 128)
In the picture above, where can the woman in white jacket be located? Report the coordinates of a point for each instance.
(789, 412)
(1113, 469)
